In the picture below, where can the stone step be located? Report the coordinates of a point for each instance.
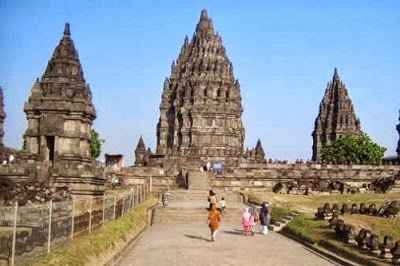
(179, 195)
(277, 226)
(164, 214)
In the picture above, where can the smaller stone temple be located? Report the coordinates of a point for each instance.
(141, 154)
(2, 117)
(256, 154)
(60, 114)
(398, 144)
(336, 116)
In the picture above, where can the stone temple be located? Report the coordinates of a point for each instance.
(398, 144)
(60, 114)
(2, 117)
(201, 106)
(336, 116)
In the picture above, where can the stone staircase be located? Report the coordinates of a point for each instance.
(277, 226)
(201, 195)
(191, 205)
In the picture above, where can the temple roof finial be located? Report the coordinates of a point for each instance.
(204, 14)
(335, 74)
(205, 23)
(66, 29)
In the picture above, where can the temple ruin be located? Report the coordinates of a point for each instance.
(60, 114)
(398, 144)
(336, 116)
(201, 105)
(2, 117)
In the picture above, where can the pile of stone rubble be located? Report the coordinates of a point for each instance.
(29, 193)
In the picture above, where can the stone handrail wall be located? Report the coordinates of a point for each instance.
(263, 177)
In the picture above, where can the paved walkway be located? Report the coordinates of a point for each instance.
(189, 244)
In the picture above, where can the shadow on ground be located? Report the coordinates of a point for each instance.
(198, 237)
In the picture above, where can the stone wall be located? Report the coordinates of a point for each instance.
(247, 177)
(263, 177)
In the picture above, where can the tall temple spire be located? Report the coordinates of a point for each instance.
(336, 116)
(140, 153)
(398, 130)
(65, 60)
(201, 104)
(2, 117)
(60, 113)
(67, 31)
(259, 152)
(335, 75)
(204, 26)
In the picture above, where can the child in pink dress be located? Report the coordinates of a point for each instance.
(246, 221)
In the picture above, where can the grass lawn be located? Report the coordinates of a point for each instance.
(317, 232)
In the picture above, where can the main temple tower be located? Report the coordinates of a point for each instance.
(336, 116)
(201, 106)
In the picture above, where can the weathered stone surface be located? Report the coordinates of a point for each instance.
(201, 107)
(198, 180)
(2, 117)
(141, 154)
(398, 144)
(60, 110)
(60, 114)
(336, 116)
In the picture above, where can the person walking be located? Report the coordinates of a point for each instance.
(213, 221)
(212, 198)
(222, 203)
(264, 218)
(254, 217)
(246, 221)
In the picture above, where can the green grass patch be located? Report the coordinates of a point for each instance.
(83, 248)
(317, 233)
(278, 213)
(255, 199)
(303, 227)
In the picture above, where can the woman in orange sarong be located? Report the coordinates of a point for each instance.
(213, 220)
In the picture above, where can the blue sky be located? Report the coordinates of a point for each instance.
(283, 54)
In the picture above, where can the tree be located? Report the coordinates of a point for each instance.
(352, 149)
(95, 144)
